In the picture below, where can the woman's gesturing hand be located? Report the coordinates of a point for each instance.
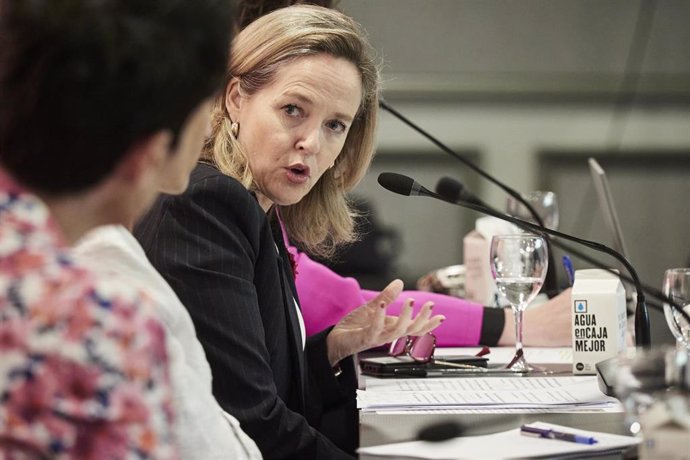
(368, 326)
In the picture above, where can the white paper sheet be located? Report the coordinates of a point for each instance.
(498, 392)
(504, 445)
(503, 355)
(503, 410)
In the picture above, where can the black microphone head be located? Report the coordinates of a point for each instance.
(449, 188)
(441, 431)
(396, 183)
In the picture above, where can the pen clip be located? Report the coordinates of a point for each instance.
(569, 270)
(534, 431)
(548, 433)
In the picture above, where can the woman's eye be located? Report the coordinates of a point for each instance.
(291, 109)
(337, 126)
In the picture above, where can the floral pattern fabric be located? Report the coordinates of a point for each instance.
(83, 364)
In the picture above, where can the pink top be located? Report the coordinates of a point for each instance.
(326, 297)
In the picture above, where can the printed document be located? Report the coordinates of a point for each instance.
(564, 392)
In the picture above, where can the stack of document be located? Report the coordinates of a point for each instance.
(526, 393)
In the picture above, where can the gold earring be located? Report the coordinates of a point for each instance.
(235, 129)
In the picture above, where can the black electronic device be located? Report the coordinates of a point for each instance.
(404, 366)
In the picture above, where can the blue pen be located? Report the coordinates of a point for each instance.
(527, 430)
(568, 265)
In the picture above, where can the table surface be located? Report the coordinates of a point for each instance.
(382, 428)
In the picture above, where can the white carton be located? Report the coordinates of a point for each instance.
(599, 318)
(476, 247)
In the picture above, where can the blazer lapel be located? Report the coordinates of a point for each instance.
(289, 298)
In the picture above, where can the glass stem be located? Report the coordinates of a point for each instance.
(518, 328)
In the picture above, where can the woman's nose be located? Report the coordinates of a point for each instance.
(309, 140)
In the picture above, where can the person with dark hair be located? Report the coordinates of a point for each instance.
(104, 104)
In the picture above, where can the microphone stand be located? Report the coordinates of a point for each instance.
(551, 274)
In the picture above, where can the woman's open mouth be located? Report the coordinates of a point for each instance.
(298, 174)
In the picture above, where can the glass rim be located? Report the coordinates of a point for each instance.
(538, 193)
(532, 193)
(513, 236)
(677, 270)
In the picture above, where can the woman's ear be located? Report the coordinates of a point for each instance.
(233, 99)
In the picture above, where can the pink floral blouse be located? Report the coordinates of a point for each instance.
(83, 366)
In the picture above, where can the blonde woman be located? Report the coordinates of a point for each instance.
(325, 296)
(292, 133)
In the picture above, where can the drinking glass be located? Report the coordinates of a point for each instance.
(518, 265)
(677, 288)
(653, 385)
(544, 203)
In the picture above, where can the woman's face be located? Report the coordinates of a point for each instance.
(293, 129)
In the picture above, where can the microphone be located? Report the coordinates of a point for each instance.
(404, 185)
(440, 431)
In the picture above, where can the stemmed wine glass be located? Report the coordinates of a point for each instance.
(677, 288)
(544, 203)
(518, 265)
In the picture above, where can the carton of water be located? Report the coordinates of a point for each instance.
(598, 318)
(479, 284)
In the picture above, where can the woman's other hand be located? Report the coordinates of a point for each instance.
(546, 325)
(368, 326)
(430, 283)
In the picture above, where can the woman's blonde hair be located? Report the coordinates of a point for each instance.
(323, 218)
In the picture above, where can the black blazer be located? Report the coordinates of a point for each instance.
(216, 247)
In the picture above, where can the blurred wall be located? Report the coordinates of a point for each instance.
(529, 88)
